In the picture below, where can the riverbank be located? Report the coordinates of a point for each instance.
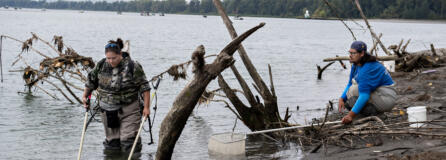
(421, 88)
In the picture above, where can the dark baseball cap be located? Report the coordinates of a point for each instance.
(359, 46)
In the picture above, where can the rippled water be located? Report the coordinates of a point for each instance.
(38, 127)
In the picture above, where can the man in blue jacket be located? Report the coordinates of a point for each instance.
(369, 91)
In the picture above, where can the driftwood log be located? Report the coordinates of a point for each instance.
(346, 58)
(256, 115)
(320, 70)
(174, 122)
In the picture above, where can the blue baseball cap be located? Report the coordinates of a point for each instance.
(359, 46)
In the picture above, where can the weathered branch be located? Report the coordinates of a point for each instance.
(35, 50)
(60, 90)
(340, 19)
(403, 50)
(37, 86)
(370, 28)
(265, 93)
(47, 43)
(434, 53)
(271, 80)
(345, 58)
(183, 105)
(246, 91)
(64, 83)
(342, 63)
(375, 43)
(320, 70)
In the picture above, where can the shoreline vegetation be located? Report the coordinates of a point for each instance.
(391, 9)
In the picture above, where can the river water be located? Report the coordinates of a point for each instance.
(38, 127)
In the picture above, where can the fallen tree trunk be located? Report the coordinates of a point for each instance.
(345, 58)
(185, 102)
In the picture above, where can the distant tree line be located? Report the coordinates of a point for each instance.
(409, 9)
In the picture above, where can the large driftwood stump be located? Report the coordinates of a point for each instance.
(256, 115)
(185, 102)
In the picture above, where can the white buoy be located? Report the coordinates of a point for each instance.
(416, 114)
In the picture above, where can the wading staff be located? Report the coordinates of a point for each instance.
(83, 129)
(144, 120)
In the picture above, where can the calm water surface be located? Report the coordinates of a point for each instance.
(38, 127)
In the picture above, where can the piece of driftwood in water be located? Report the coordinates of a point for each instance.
(320, 70)
(183, 105)
(342, 63)
(345, 58)
(53, 67)
(256, 115)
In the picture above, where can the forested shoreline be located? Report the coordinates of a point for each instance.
(404, 9)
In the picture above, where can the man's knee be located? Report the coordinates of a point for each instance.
(351, 102)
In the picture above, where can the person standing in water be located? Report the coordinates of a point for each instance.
(119, 82)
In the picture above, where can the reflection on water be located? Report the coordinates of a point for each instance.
(38, 127)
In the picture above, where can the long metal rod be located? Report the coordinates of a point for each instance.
(288, 128)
